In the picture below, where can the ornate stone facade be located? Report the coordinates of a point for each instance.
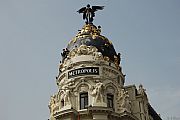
(91, 83)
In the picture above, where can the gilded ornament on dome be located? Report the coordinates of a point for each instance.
(94, 36)
(106, 58)
(74, 40)
(82, 50)
(110, 42)
(98, 56)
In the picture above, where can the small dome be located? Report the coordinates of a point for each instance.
(90, 36)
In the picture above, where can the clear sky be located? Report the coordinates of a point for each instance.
(34, 32)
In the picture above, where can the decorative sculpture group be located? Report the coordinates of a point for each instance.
(124, 104)
(53, 104)
(59, 100)
(97, 93)
(66, 98)
(83, 50)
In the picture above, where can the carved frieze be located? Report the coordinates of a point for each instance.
(107, 72)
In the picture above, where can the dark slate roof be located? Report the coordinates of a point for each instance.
(153, 113)
(101, 43)
(90, 35)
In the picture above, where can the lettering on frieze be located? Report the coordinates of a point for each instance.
(83, 71)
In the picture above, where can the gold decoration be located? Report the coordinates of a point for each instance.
(89, 30)
(106, 58)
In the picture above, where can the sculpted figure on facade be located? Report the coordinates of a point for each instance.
(124, 104)
(97, 93)
(64, 54)
(141, 90)
(52, 104)
(116, 61)
(60, 98)
(67, 99)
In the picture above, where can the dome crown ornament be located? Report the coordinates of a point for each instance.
(90, 29)
(89, 12)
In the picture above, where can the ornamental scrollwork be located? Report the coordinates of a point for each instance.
(84, 50)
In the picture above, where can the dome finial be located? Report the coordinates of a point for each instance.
(89, 12)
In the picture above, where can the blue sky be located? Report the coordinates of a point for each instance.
(34, 32)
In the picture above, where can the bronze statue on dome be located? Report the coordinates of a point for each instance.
(89, 13)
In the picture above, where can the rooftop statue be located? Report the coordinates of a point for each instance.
(89, 13)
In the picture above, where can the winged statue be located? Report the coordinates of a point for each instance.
(89, 12)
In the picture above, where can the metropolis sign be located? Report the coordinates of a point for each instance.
(83, 71)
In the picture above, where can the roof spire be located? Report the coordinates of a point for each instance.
(89, 12)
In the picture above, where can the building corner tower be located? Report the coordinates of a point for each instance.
(91, 83)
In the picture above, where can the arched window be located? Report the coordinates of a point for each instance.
(62, 103)
(110, 99)
(83, 100)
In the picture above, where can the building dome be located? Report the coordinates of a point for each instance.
(89, 35)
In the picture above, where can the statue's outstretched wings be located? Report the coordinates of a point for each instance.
(95, 8)
(82, 10)
(89, 13)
